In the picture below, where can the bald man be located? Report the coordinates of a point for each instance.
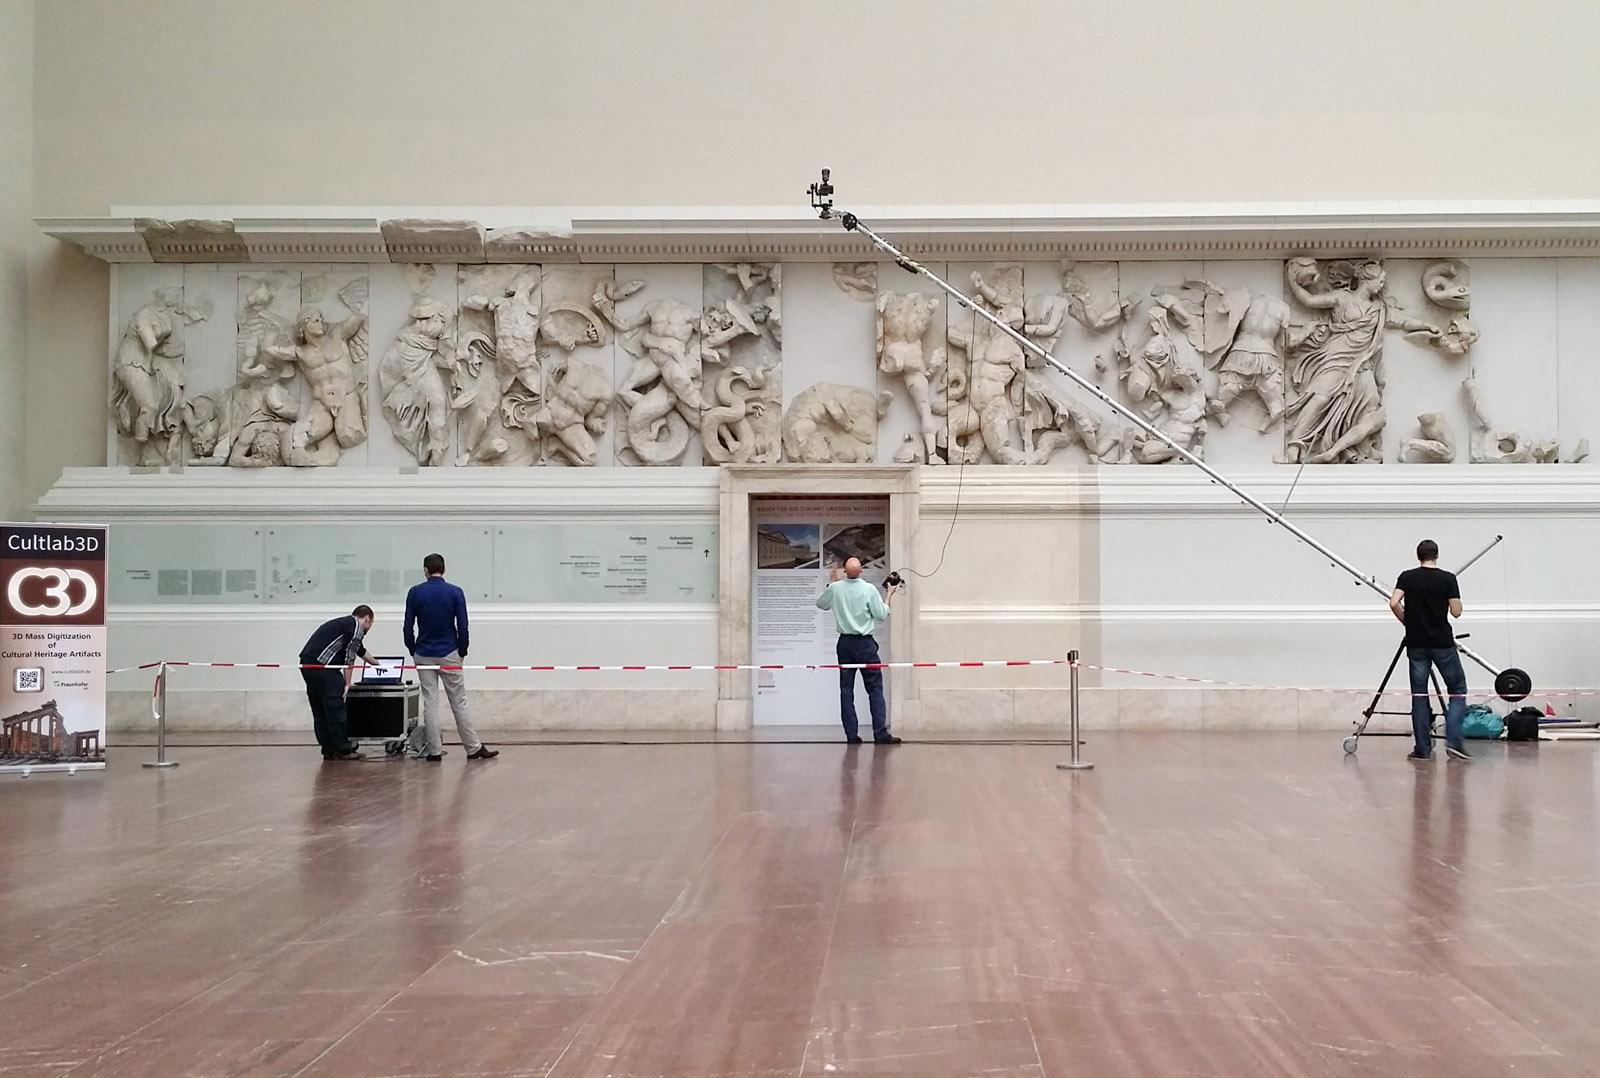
(857, 609)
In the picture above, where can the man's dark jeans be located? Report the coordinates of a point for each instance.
(325, 690)
(1448, 660)
(861, 649)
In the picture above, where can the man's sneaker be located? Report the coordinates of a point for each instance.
(1415, 755)
(1456, 753)
(483, 752)
(852, 741)
(889, 739)
(434, 757)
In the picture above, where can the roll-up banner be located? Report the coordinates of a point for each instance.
(52, 647)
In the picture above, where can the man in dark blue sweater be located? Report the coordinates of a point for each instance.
(436, 635)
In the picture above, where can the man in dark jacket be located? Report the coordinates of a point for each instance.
(335, 643)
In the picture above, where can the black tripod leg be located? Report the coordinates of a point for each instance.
(1377, 697)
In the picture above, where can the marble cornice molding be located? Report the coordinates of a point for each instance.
(1351, 490)
(383, 495)
(1301, 613)
(1181, 492)
(289, 239)
(953, 233)
(1109, 491)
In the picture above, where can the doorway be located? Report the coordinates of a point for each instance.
(799, 542)
(881, 494)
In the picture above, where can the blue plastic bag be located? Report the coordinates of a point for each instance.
(1480, 722)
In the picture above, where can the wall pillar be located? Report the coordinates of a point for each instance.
(17, 234)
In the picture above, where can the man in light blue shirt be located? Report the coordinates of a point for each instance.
(857, 609)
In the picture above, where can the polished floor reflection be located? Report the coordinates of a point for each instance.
(1201, 904)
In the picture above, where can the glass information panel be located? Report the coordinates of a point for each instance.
(183, 563)
(376, 562)
(606, 563)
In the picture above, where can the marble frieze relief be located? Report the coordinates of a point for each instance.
(1297, 361)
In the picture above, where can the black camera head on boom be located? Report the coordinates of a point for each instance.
(821, 194)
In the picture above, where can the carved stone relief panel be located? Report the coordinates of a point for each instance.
(1165, 384)
(660, 398)
(737, 400)
(1150, 362)
(246, 423)
(268, 302)
(1341, 314)
(298, 363)
(148, 373)
(1432, 444)
(742, 329)
(498, 384)
(1094, 295)
(578, 393)
(1514, 407)
(831, 342)
(415, 377)
(910, 349)
(1447, 284)
(330, 347)
(396, 290)
(512, 364)
(1068, 311)
(904, 430)
(829, 423)
(1490, 443)
(1245, 337)
(985, 380)
(858, 280)
(1249, 360)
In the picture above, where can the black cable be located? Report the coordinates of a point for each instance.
(1296, 483)
(961, 471)
(955, 515)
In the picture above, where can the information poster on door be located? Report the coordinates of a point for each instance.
(52, 646)
(798, 542)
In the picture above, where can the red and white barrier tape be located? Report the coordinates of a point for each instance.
(939, 665)
(1212, 682)
(629, 667)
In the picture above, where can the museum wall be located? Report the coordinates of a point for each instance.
(18, 236)
(179, 110)
(482, 405)
(408, 103)
(510, 102)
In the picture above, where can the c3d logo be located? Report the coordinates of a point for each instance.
(62, 605)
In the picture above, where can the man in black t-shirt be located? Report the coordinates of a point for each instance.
(337, 642)
(1425, 599)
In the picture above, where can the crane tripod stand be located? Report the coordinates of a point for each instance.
(1510, 684)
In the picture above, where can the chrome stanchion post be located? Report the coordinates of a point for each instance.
(1074, 764)
(161, 722)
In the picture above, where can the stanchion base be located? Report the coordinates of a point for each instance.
(160, 763)
(1075, 767)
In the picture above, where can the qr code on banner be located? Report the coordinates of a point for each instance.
(29, 679)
